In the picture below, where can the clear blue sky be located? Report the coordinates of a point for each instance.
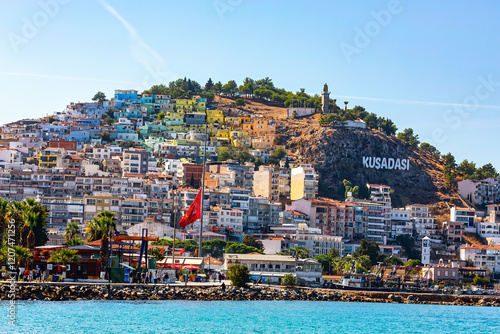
(418, 64)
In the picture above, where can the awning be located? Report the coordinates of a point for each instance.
(127, 266)
(269, 274)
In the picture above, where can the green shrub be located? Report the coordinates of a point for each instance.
(481, 281)
(289, 280)
(239, 275)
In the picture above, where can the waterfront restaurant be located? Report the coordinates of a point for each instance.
(272, 268)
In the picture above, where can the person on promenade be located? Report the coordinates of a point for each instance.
(138, 277)
(143, 277)
(156, 277)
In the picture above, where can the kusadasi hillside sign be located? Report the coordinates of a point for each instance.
(386, 163)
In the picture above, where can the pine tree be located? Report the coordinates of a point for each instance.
(208, 85)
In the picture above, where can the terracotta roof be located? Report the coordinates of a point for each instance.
(483, 247)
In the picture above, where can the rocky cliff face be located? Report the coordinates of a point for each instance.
(348, 153)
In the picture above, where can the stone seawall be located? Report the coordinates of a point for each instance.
(52, 292)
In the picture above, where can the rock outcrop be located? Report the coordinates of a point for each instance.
(337, 153)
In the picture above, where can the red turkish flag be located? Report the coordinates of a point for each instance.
(193, 213)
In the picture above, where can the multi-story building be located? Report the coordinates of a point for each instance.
(266, 183)
(51, 157)
(112, 166)
(243, 174)
(272, 268)
(133, 211)
(63, 211)
(464, 215)
(225, 218)
(487, 256)
(378, 221)
(135, 161)
(102, 201)
(214, 116)
(310, 238)
(331, 217)
(486, 191)
(304, 183)
(423, 222)
(400, 223)
(259, 127)
(452, 231)
(493, 212)
(380, 193)
(9, 156)
(261, 215)
(293, 217)
(487, 229)
(190, 175)
(4, 183)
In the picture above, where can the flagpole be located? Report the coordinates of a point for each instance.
(173, 244)
(203, 183)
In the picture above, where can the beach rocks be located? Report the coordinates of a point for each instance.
(150, 292)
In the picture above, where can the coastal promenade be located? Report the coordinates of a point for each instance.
(207, 291)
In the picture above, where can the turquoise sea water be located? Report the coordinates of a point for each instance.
(247, 317)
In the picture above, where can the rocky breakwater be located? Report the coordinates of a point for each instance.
(49, 292)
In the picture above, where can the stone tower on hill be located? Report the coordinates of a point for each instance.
(325, 100)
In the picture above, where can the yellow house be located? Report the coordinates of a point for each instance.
(221, 133)
(194, 105)
(240, 139)
(51, 157)
(215, 116)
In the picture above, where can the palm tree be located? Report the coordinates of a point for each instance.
(71, 231)
(300, 252)
(74, 242)
(38, 222)
(64, 256)
(102, 225)
(4, 208)
(15, 213)
(21, 254)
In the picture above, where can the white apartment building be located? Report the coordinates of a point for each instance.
(486, 191)
(101, 153)
(488, 229)
(401, 223)
(488, 256)
(380, 193)
(310, 238)
(465, 215)
(424, 223)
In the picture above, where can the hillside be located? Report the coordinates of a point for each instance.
(337, 154)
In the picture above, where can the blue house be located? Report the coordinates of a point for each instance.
(126, 95)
